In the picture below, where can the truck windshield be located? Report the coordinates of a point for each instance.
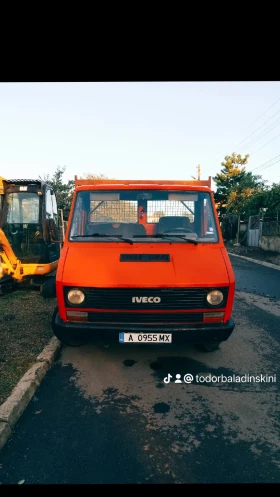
(142, 215)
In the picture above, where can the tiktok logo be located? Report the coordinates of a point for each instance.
(167, 378)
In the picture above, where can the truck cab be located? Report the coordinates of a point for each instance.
(144, 262)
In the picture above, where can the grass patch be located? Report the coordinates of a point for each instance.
(25, 329)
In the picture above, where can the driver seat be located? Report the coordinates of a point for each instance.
(172, 222)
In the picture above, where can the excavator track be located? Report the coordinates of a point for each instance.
(7, 284)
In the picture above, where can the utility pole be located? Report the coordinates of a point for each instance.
(198, 173)
(238, 231)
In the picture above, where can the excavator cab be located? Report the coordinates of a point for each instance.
(30, 235)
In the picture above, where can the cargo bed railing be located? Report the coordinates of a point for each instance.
(84, 182)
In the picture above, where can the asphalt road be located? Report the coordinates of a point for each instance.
(105, 415)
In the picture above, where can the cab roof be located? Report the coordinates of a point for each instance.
(107, 184)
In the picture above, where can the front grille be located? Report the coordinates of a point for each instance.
(144, 317)
(170, 298)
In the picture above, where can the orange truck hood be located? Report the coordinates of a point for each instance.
(98, 265)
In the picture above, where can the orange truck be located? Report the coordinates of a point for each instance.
(144, 262)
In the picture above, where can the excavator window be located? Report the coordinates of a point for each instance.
(23, 208)
(21, 223)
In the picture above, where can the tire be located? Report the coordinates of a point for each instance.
(209, 346)
(47, 289)
(68, 337)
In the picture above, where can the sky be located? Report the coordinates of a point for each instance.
(138, 130)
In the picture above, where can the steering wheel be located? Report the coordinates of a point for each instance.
(178, 230)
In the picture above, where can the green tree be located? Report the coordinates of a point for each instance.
(272, 201)
(240, 198)
(253, 204)
(63, 191)
(232, 173)
(238, 191)
(95, 176)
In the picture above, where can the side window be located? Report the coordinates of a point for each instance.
(13, 215)
(209, 220)
(55, 211)
(76, 228)
(49, 205)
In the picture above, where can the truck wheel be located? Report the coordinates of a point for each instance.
(209, 346)
(68, 337)
(47, 289)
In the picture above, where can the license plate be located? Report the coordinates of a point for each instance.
(145, 338)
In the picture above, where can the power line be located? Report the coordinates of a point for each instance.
(260, 167)
(265, 144)
(220, 155)
(262, 115)
(270, 128)
(257, 129)
(276, 162)
(264, 163)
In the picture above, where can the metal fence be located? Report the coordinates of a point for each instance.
(114, 211)
(159, 208)
(271, 228)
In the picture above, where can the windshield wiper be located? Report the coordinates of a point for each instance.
(102, 235)
(166, 235)
(129, 240)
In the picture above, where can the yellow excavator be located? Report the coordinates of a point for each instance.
(31, 235)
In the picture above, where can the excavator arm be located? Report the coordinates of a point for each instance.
(10, 264)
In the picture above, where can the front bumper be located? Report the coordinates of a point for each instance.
(198, 333)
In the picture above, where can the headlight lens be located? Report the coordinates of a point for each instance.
(76, 296)
(215, 297)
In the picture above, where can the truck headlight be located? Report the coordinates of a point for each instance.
(215, 297)
(76, 296)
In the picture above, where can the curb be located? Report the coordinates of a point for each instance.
(16, 403)
(263, 263)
